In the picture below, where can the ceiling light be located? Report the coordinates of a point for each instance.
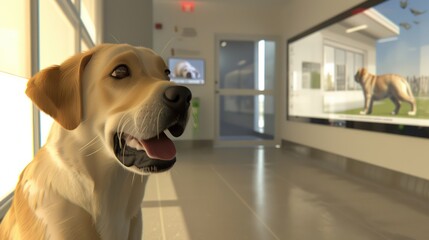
(358, 28)
(241, 62)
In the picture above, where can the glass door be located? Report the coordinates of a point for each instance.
(246, 92)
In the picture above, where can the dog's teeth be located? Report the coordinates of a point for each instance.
(134, 143)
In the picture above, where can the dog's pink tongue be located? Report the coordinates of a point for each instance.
(160, 147)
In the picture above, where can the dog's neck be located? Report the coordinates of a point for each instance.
(97, 184)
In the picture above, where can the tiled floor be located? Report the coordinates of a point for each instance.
(255, 193)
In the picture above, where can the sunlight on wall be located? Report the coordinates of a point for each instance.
(16, 117)
(15, 40)
(17, 128)
(87, 15)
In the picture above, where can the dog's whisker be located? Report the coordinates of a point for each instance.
(120, 122)
(121, 132)
(123, 125)
(135, 132)
(142, 124)
(120, 142)
(135, 118)
(157, 123)
(94, 152)
(123, 153)
(145, 123)
(117, 130)
(120, 137)
(169, 42)
(93, 141)
(114, 38)
(65, 221)
(140, 121)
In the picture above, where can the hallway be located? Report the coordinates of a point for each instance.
(269, 193)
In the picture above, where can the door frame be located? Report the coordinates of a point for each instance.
(275, 92)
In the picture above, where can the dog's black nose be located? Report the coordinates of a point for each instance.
(178, 97)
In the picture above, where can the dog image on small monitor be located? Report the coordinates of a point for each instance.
(391, 86)
(185, 69)
(113, 106)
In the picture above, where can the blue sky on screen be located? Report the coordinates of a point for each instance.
(403, 55)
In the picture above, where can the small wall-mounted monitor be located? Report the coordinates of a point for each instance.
(187, 70)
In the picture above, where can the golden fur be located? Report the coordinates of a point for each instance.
(380, 87)
(75, 187)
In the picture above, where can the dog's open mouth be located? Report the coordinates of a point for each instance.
(156, 154)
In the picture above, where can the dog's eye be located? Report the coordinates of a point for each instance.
(120, 72)
(167, 72)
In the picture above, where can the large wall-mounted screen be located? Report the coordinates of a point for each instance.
(367, 68)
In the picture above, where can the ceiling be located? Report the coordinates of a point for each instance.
(230, 1)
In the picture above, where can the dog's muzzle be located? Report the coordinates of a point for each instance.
(158, 153)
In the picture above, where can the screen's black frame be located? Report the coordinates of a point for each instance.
(406, 130)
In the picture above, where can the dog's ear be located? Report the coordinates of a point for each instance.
(57, 90)
(363, 71)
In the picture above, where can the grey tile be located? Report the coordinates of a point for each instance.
(253, 193)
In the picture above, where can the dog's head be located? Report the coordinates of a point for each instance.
(360, 75)
(120, 96)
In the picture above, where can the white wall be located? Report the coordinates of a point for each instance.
(128, 21)
(209, 19)
(400, 153)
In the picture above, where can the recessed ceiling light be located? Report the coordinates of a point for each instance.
(358, 28)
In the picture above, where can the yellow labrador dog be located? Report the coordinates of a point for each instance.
(112, 106)
(380, 87)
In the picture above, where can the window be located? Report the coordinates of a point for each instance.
(88, 16)
(16, 107)
(72, 40)
(310, 75)
(17, 130)
(62, 31)
(340, 68)
(15, 38)
(50, 32)
(358, 63)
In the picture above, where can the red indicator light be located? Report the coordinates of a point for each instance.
(158, 26)
(188, 6)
